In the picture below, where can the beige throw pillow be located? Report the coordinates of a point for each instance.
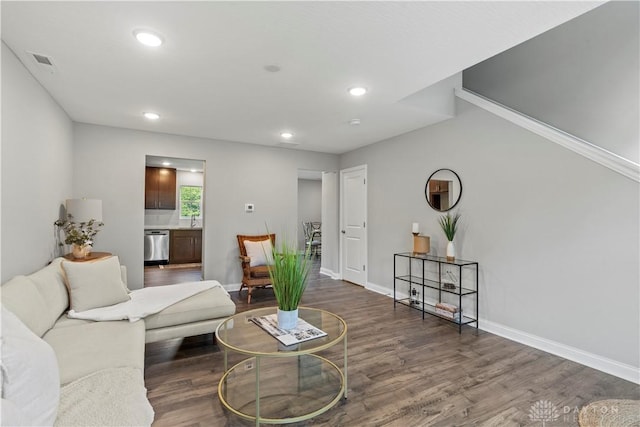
(261, 253)
(94, 284)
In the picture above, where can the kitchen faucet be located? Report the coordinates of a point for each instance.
(193, 221)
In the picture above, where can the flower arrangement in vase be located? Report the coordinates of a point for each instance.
(449, 225)
(79, 235)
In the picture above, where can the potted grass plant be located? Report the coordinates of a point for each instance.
(288, 274)
(449, 225)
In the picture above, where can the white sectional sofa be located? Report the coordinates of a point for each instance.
(100, 365)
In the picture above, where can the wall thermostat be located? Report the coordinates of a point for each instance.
(249, 207)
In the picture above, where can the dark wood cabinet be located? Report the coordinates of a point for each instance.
(185, 246)
(160, 188)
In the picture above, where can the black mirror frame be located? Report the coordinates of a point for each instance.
(426, 190)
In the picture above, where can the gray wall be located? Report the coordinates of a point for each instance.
(109, 165)
(581, 77)
(36, 169)
(556, 235)
(330, 262)
(309, 205)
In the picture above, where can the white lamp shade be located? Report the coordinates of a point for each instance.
(84, 210)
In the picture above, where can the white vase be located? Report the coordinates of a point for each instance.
(287, 319)
(451, 252)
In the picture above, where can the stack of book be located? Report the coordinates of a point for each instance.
(449, 311)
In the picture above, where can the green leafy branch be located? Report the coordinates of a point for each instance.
(81, 233)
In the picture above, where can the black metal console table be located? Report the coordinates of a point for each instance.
(421, 274)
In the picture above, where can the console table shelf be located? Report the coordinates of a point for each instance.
(421, 274)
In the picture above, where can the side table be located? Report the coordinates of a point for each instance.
(91, 257)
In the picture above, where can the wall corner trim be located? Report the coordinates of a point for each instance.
(591, 151)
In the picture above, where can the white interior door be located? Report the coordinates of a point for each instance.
(353, 225)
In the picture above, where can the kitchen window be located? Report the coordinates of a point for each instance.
(190, 201)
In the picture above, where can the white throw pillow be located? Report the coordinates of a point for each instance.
(94, 284)
(30, 376)
(261, 253)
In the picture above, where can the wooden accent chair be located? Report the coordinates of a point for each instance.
(257, 276)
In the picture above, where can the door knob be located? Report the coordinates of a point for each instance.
(344, 232)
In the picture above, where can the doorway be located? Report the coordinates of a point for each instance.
(179, 184)
(309, 224)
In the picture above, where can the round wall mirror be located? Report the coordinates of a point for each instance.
(443, 190)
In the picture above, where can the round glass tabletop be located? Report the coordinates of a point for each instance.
(240, 334)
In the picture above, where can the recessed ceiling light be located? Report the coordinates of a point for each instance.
(286, 135)
(166, 163)
(147, 38)
(151, 116)
(358, 91)
(354, 122)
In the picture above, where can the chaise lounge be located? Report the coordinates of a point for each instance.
(93, 370)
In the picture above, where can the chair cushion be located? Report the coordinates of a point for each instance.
(95, 284)
(260, 271)
(261, 253)
(211, 304)
(30, 378)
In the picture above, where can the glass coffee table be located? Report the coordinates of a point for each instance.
(277, 384)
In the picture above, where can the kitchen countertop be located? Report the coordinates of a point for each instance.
(170, 227)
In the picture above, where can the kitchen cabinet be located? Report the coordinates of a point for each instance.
(185, 246)
(160, 188)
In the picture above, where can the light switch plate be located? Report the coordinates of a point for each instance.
(249, 207)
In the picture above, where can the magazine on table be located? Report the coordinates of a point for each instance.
(302, 332)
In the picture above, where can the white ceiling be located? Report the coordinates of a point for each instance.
(208, 78)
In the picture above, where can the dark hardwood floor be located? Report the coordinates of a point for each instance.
(156, 276)
(403, 371)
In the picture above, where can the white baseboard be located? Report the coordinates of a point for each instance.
(330, 273)
(379, 289)
(610, 366)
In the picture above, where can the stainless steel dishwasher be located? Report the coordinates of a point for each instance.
(156, 247)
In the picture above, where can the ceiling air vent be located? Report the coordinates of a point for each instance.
(43, 61)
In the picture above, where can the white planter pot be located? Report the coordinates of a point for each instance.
(287, 319)
(451, 252)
